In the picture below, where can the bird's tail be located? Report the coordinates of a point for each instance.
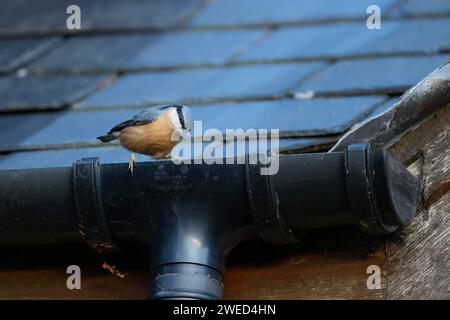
(106, 138)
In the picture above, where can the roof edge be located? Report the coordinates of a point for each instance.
(415, 105)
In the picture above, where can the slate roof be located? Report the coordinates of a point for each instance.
(309, 68)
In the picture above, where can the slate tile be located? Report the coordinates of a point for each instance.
(294, 118)
(21, 16)
(62, 158)
(15, 53)
(352, 39)
(44, 92)
(410, 36)
(134, 51)
(429, 7)
(66, 157)
(202, 85)
(51, 129)
(376, 112)
(383, 107)
(380, 75)
(256, 12)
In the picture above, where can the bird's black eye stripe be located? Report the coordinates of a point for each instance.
(180, 116)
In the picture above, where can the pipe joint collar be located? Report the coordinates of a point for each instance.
(186, 281)
(383, 195)
(265, 207)
(93, 223)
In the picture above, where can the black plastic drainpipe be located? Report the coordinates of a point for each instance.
(193, 215)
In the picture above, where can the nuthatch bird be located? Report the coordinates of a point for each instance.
(153, 132)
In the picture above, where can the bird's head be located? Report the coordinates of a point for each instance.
(181, 117)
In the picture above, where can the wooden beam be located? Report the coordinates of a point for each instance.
(419, 266)
(327, 264)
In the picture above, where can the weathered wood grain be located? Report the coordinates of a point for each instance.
(419, 266)
(305, 276)
(40, 273)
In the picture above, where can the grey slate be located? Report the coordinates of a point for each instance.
(428, 7)
(134, 51)
(256, 12)
(423, 100)
(383, 107)
(17, 52)
(19, 16)
(66, 157)
(389, 103)
(44, 92)
(202, 85)
(294, 118)
(63, 158)
(380, 75)
(352, 39)
(337, 30)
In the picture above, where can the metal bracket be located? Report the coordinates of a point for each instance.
(93, 224)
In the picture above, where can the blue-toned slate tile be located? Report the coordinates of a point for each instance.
(134, 51)
(307, 144)
(114, 154)
(63, 158)
(352, 39)
(424, 8)
(23, 16)
(51, 129)
(255, 12)
(202, 85)
(57, 129)
(209, 149)
(378, 75)
(294, 118)
(408, 36)
(389, 103)
(383, 107)
(15, 53)
(44, 92)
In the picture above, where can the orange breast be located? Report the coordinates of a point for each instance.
(152, 139)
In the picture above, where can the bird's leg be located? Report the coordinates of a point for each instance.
(132, 162)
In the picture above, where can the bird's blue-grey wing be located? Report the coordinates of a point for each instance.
(146, 116)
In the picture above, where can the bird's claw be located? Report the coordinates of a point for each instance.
(131, 163)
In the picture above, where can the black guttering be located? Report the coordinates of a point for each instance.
(192, 216)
